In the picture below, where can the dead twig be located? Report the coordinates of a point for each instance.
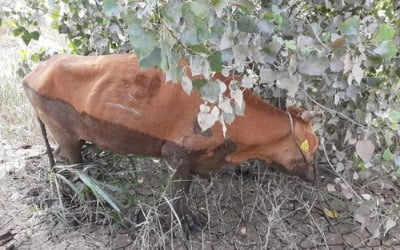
(332, 111)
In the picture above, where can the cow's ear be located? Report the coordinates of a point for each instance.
(183, 63)
(295, 111)
(307, 116)
(302, 114)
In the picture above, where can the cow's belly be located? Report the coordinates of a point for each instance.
(61, 117)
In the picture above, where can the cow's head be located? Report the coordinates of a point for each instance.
(295, 152)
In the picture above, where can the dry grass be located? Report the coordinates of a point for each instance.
(254, 209)
(17, 123)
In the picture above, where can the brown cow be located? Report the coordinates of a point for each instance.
(110, 101)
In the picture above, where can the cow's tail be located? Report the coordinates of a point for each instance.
(46, 140)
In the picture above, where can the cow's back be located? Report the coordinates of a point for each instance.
(114, 89)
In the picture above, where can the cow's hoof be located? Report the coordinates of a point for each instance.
(187, 224)
(140, 216)
(194, 223)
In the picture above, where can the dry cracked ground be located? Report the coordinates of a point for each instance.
(255, 208)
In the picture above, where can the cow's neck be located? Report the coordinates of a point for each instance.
(261, 122)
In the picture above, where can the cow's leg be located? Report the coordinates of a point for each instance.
(180, 185)
(46, 140)
(207, 166)
(71, 149)
(181, 182)
(69, 145)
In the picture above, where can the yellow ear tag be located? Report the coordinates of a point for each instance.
(305, 147)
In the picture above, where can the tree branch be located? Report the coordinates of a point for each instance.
(332, 110)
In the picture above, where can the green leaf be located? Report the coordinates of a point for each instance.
(210, 91)
(388, 138)
(394, 126)
(152, 60)
(26, 38)
(97, 190)
(313, 65)
(35, 57)
(111, 7)
(374, 82)
(200, 48)
(215, 60)
(385, 32)
(54, 25)
(247, 6)
(375, 122)
(189, 36)
(198, 83)
(350, 27)
(76, 42)
(394, 116)
(23, 54)
(55, 14)
(34, 35)
(195, 16)
(217, 31)
(397, 161)
(269, 16)
(397, 173)
(174, 71)
(186, 84)
(274, 17)
(387, 49)
(387, 155)
(290, 44)
(326, 36)
(18, 31)
(163, 54)
(375, 58)
(198, 8)
(362, 166)
(143, 41)
(203, 32)
(227, 55)
(275, 9)
(247, 24)
(63, 29)
(172, 14)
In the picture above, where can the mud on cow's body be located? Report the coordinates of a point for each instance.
(110, 101)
